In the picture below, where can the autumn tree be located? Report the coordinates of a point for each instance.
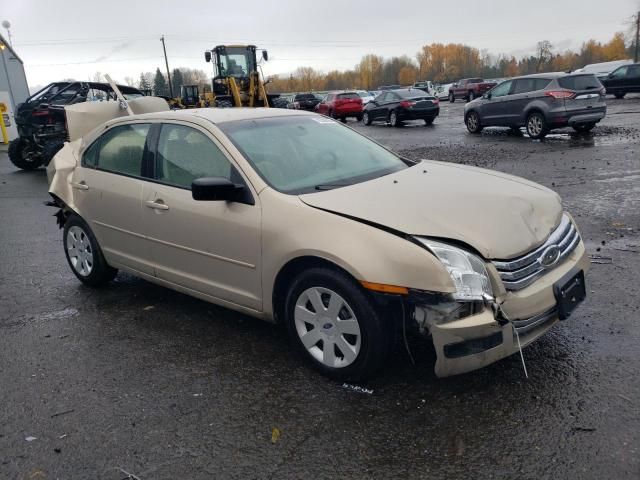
(407, 75)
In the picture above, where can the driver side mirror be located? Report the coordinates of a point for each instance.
(219, 189)
(265, 55)
(487, 96)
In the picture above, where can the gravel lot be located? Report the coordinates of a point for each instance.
(135, 378)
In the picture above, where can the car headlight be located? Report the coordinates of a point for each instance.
(467, 271)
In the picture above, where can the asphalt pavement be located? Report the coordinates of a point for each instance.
(137, 381)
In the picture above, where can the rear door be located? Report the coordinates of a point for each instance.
(210, 247)
(108, 193)
(634, 78)
(523, 93)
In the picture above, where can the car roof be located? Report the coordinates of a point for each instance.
(217, 115)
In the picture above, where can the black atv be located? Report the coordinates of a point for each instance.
(41, 120)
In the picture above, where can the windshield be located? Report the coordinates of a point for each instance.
(302, 154)
(363, 94)
(235, 62)
(411, 93)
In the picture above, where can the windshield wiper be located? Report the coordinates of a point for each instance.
(331, 186)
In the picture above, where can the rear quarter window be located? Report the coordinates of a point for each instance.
(580, 82)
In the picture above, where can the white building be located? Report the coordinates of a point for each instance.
(12, 76)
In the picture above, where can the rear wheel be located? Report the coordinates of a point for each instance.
(619, 95)
(84, 254)
(366, 119)
(473, 122)
(536, 126)
(359, 117)
(394, 121)
(336, 325)
(584, 127)
(23, 155)
(429, 121)
(452, 97)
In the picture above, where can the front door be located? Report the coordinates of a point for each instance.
(108, 195)
(211, 247)
(495, 108)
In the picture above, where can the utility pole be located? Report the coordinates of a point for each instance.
(635, 57)
(166, 62)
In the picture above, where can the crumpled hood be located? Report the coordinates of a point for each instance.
(499, 215)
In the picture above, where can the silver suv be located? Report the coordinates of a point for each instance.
(540, 103)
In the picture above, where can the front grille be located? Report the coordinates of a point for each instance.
(521, 272)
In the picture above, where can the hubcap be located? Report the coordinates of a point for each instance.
(80, 251)
(472, 121)
(534, 125)
(327, 327)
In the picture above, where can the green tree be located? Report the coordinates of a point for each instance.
(176, 79)
(160, 86)
(143, 84)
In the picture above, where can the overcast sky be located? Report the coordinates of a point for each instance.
(75, 38)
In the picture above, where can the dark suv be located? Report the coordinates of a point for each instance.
(540, 103)
(623, 80)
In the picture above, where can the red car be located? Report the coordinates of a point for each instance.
(341, 105)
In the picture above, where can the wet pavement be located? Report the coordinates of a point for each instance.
(137, 379)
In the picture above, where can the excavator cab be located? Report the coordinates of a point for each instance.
(190, 96)
(237, 82)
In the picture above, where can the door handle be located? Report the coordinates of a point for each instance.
(80, 186)
(157, 205)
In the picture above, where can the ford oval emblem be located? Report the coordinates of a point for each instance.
(550, 256)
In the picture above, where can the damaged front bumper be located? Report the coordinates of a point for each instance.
(482, 335)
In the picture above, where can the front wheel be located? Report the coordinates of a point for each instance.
(84, 254)
(452, 98)
(366, 119)
(473, 122)
(584, 127)
(336, 325)
(23, 155)
(536, 126)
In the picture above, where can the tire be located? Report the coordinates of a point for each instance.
(366, 119)
(472, 121)
(471, 96)
(359, 117)
(394, 121)
(23, 156)
(536, 126)
(429, 121)
(84, 254)
(452, 98)
(358, 348)
(619, 95)
(584, 127)
(515, 130)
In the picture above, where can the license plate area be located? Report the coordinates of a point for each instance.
(569, 291)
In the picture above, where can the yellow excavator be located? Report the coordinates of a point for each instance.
(237, 81)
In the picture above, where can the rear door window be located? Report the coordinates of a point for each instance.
(580, 82)
(541, 83)
(122, 149)
(524, 85)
